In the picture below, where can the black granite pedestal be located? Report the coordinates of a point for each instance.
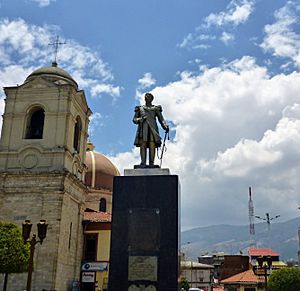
(145, 240)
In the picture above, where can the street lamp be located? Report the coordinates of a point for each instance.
(263, 268)
(42, 231)
(268, 220)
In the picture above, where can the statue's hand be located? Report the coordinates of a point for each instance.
(167, 129)
(140, 119)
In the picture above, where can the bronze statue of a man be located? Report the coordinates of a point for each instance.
(147, 135)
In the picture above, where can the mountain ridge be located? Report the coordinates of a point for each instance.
(235, 239)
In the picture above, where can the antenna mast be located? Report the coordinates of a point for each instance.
(251, 220)
(299, 244)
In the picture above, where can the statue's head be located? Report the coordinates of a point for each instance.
(149, 97)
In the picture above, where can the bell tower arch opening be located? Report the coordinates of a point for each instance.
(35, 123)
(77, 134)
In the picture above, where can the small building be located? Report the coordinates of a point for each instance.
(233, 264)
(216, 260)
(97, 221)
(244, 281)
(254, 253)
(197, 274)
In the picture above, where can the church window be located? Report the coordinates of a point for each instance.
(102, 205)
(90, 247)
(35, 124)
(77, 131)
(70, 234)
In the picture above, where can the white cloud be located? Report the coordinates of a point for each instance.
(126, 160)
(13, 74)
(281, 38)
(235, 126)
(43, 3)
(227, 37)
(96, 120)
(106, 88)
(202, 46)
(28, 46)
(237, 12)
(195, 40)
(146, 81)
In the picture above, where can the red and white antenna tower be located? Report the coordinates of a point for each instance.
(251, 220)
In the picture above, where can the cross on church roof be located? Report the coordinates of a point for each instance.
(56, 43)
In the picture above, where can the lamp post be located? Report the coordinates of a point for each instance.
(263, 268)
(42, 231)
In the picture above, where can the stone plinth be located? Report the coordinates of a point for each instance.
(145, 231)
(146, 172)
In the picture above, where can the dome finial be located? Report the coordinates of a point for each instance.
(90, 146)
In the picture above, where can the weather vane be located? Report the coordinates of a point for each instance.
(56, 43)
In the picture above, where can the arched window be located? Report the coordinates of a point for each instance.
(77, 131)
(35, 124)
(102, 205)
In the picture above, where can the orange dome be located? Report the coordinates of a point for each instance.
(101, 171)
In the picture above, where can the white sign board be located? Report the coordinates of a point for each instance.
(88, 277)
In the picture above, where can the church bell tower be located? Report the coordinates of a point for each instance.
(42, 169)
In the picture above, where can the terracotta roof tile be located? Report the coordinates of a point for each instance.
(97, 216)
(257, 252)
(244, 277)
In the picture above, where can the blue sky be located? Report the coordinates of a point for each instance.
(225, 72)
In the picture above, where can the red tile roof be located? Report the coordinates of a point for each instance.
(97, 216)
(244, 277)
(257, 252)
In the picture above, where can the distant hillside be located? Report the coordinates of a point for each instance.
(232, 239)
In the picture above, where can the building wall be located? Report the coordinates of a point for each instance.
(103, 245)
(58, 198)
(233, 264)
(198, 277)
(242, 288)
(103, 251)
(93, 199)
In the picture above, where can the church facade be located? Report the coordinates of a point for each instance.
(42, 172)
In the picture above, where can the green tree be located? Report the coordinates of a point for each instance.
(287, 279)
(184, 284)
(14, 254)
